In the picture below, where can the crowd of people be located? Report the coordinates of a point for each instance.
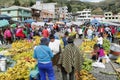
(49, 52)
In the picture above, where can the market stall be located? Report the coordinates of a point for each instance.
(21, 59)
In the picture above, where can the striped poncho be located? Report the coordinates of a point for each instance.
(71, 57)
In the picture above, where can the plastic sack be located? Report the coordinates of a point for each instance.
(98, 64)
(107, 59)
(34, 73)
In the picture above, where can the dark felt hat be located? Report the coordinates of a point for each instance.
(44, 41)
(70, 40)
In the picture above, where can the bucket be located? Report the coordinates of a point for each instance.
(3, 64)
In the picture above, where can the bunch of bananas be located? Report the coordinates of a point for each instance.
(23, 45)
(106, 45)
(85, 75)
(36, 40)
(20, 46)
(87, 45)
(23, 55)
(118, 60)
(87, 64)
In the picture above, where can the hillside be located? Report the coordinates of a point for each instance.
(74, 5)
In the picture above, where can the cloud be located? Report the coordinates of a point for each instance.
(91, 0)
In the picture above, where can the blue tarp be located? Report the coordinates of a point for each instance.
(29, 20)
(95, 22)
(3, 16)
(4, 23)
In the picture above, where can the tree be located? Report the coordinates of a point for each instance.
(69, 7)
(31, 3)
(74, 10)
(49, 1)
(16, 2)
(97, 11)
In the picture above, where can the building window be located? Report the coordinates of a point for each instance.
(113, 18)
(116, 17)
(109, 14)
(106, 18)
(109, 17)
(106, 14)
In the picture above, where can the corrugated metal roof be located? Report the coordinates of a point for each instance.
(16, 8)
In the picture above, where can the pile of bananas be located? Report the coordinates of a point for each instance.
(36, 40)
(118, 60)
(1, 49)
(20, 46)
(85, 75)
(19, 72)
(87, 64)
(87, 45)
(22, 52)
(23, 55)
(118, 35)
(106, 45)
(23, 45)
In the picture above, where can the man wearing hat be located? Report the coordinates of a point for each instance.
(70, 60)
(43, 55)
(54, 45)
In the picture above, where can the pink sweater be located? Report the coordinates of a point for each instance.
(101, 53)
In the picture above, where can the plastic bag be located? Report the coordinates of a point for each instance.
(34, 73)
(98, 64)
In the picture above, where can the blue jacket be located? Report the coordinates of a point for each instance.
(42, 53)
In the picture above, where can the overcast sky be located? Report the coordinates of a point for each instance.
(92, 0)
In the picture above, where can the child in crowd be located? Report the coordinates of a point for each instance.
(101, 54)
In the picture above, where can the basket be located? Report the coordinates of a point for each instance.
(115, 49)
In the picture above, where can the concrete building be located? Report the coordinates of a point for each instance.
(69, 17)
(109, 16)
(17, 13)
(62, 13)
(98, 17)
(84, 15)
(47, 10)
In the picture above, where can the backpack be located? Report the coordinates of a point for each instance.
(8, 33)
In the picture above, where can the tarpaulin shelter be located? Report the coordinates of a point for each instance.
(95, 22)
(58, 22)
(3, 16)
(4, 23)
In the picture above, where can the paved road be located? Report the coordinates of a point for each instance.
(95, 71)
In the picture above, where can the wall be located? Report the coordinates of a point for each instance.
(10, 13)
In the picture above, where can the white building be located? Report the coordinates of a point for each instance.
(62, 12)
(98, 17)
(84, 15)
(69, 17)
(112, 18)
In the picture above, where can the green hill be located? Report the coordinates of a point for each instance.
(74, 5)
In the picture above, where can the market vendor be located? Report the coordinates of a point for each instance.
(94, 54)
(54, 45)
